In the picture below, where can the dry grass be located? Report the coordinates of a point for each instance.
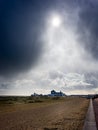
(66, 114)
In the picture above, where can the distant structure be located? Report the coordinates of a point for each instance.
(36, 95)
(56, 94)
(53, 94)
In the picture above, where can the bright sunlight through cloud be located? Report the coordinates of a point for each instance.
(56, 21)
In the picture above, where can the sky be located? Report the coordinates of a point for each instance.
(48, 44)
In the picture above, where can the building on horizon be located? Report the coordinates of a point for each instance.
(52, 94)
(57, 94)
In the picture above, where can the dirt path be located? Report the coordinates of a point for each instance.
(95, 103)
(90, 123)
(67, 115)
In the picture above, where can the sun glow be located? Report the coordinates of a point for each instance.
(56, 21)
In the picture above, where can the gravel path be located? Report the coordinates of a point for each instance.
(90, 123)
(31, 119)
(95, 103)
(54, 116)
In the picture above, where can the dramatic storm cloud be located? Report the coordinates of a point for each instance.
(55, 40)
(88, 26)
(21, 25)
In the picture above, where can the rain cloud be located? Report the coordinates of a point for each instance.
(88, 27)
(21, 25)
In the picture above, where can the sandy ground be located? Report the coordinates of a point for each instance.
(66, 115)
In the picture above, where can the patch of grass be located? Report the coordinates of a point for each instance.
(35, 101)
(27, 99)
(56, 98)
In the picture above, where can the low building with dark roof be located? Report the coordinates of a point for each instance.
(57, 94)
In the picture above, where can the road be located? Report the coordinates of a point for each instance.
(95, 102)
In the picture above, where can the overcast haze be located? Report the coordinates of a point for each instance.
(48, 44)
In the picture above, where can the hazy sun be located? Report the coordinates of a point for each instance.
(56, 21)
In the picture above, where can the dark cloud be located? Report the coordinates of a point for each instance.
(4, 86)
(21, 26)
(88, 26)
(86, 23)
